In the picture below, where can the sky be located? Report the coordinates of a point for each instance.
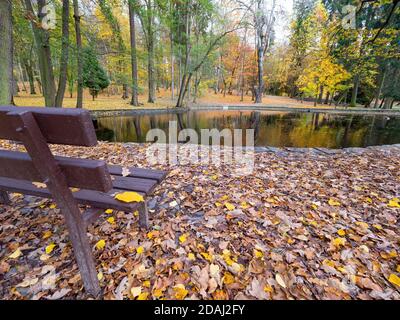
(283, 23)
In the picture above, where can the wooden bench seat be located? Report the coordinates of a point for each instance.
(68, 181)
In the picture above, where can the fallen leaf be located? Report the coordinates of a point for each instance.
(129, 197)
(125, 172)
(280, 281)
(47, 234)
(16, 254)
(229, 206)
(100, 244)
(140, 250)
(394, 279)
(39, 185)
(135, 291)
(180, 291)
(333, 203)
(50, 248)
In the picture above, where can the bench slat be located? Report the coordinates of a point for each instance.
(157, 175)
(134, 184)
(58, 126)
(80, 173)
(94, 199)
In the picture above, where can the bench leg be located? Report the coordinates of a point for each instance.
(4, 198)
(143, 216)
(83, 254)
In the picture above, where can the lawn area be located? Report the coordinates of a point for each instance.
(301, 226)
(105, 102)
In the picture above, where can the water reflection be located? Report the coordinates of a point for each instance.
(277, 129)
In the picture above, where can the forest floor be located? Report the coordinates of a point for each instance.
(105, 102)
(301, 226)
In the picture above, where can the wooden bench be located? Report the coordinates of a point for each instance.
(94, 181)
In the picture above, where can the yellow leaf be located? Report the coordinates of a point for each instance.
(362, 224)
(339, 242)
(191, 256)
(207, 256)
(146, 284)
(100, 244)
(394, 203)
(398, 268)
(16, 254)
(377, 226)
(143, 296)
(229, 206)
(74, 190)
(244, 205)
(280, 281)
(333, 203)
(394, 279)
(228, 278)
(180, 292)
(150, 235)
(50, 248)
(47, 234)
(157, 293)
(100, 276)
(182, 238)
(368, 200)
(140, 250)
(217, 204)
(111, 220)
(258, 254)
(129, 197)
(135, 291)
(39, 185)
(53, 206)
(109, 211)
(268, 289)
(329, 263)
(341, 232)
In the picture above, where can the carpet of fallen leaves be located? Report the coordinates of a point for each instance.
(302, 226)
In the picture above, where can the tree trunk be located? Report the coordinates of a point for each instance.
(29, 72)
(260, 72)
(134, 100)
(79, 99)
(151, 54)
(388, 103)
(172, 68)
(6, 53)
(62, 82)
(321, 94)
(42, 40)
(327, 97)
(380, 87)
(354, 94)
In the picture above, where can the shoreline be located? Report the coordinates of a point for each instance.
(202, 107)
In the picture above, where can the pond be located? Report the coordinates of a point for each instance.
(271, 128)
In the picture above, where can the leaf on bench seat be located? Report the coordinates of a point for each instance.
(39, 185)
(129, 197)
(125, 172)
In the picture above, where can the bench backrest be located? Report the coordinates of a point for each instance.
(58, 126)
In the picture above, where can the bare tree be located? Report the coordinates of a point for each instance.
(262, 20)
